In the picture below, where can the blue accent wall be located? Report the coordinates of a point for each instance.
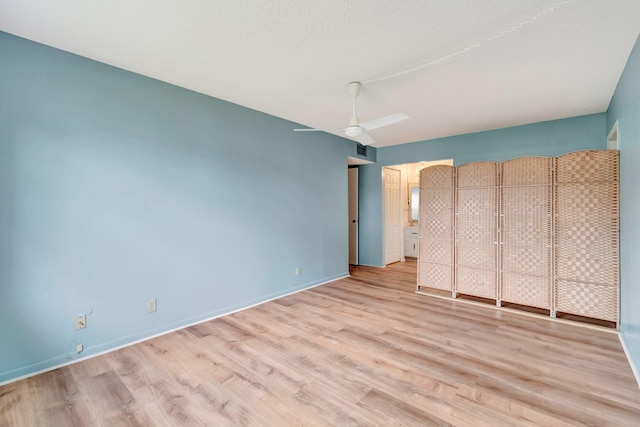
(550, 138)
(625, 107)
(117, 188)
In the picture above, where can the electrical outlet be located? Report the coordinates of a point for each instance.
(152, 305)
(81, 321)
(79, 348)
(297, 271)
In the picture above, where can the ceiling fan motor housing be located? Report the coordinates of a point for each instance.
(354, 89)
(353, 130)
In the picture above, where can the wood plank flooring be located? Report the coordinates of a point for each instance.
(365, 350)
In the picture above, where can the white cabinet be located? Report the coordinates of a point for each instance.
(411, 242)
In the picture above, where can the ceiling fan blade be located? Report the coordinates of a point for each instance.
(317, 130)
(384, 121)
(365, 139)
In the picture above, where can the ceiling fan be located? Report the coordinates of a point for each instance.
(357, 130)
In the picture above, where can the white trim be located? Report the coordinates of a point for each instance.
(634, 368)
(71, 362)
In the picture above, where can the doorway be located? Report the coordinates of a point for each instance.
(392, 219)
(353, 216)
(402, 236)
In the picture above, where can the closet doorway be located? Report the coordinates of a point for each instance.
(401, 212)
(392, 218)
(353, 216)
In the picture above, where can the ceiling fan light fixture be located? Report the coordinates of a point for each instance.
(353, 131)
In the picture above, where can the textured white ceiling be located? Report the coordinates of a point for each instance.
(510, 62)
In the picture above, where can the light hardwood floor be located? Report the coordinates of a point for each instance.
(365, 350)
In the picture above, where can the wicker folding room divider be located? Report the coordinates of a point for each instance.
(526, 225)
(586, 239)
(533, 231)
(436, 232)
(476, 271)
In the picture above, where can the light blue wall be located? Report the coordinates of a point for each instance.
(116, 188)
(625, 107)
(541, 139)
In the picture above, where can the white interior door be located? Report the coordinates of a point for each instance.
(353, 216)
(392, 218)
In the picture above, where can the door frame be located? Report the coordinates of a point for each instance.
(353, 218)
(385, 236)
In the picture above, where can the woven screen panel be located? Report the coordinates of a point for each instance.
(477, 174)
(476, 228)
(586, 234)
(437, 203)
(527, 171)
(436, 231)
(439, 251)
(440, 176)
(439, 276)
(587, 299)
(480, 254)
(476, 255)
(480, 283)
(588, 166)
(526, 231)
(526, 289)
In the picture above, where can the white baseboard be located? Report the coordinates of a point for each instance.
(57, 365)
(627, 352)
